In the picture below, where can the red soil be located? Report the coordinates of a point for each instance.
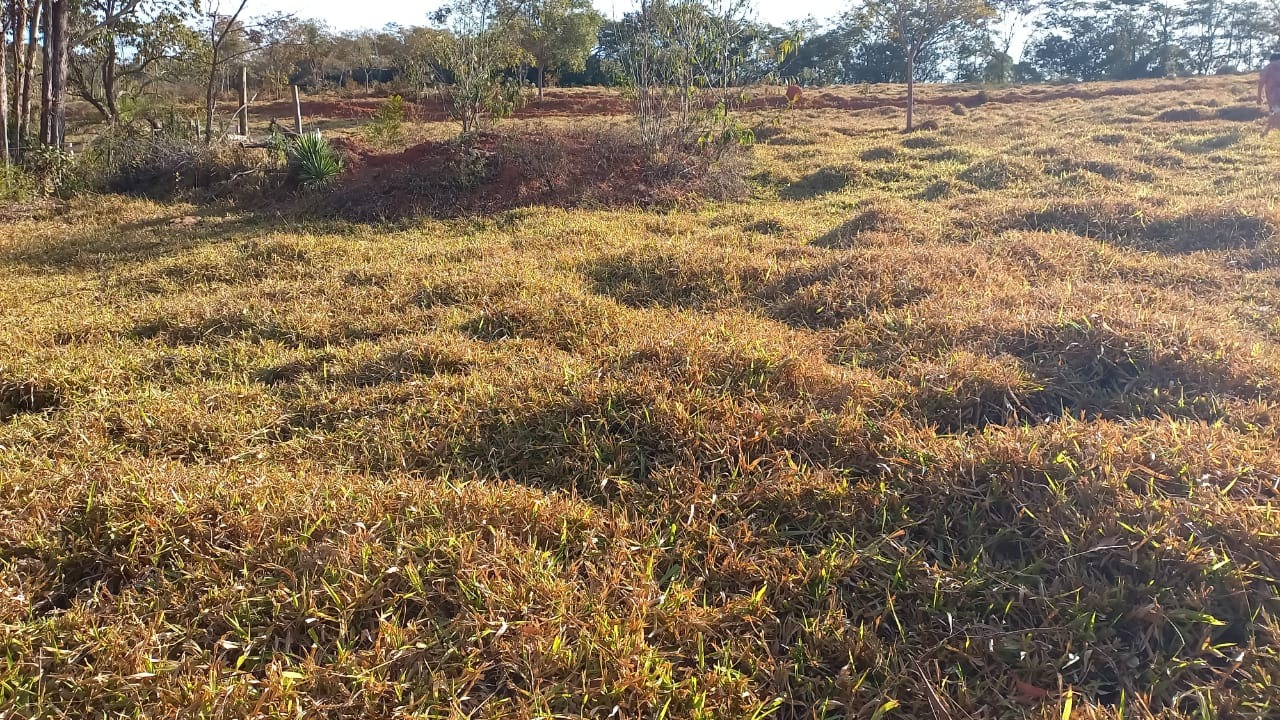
(500, 172)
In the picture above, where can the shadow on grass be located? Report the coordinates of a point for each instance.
(1093, 372)
(238, 326)
(22, 398)
(114, 247)
(816, 184)
(654, 277)
(591, 445)
(1133, 226)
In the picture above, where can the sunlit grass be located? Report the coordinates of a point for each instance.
(969, 423)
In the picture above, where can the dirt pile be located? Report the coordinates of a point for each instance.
(491, 172)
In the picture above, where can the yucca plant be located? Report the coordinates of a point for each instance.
(313, 161)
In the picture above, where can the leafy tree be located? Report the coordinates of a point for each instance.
(557, 35)
(419, 57)
(919, 26)
(473, 62)
(130, 54)
(822, 56)
(679, 59)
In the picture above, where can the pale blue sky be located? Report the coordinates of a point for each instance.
(348, 15)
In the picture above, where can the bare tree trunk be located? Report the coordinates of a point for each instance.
(297, 111)
(28, 69)
(61, 23)
(542, 80)
(109, 83)
(46, 77)
(210, 87)
(18, 22)
(216, 39)
(210, 100)
(4, 97)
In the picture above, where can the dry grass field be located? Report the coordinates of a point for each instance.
(970, 423)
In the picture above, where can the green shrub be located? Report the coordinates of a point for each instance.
(313, 161)
(15, 184)
(53, 171)
(387, 126)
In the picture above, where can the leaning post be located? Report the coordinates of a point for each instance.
(297, 111)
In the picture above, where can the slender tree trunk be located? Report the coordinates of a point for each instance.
(210, 100)
(109, 83)
(46, 76)
(215, 45)
(542, 80)
(911, 91)
(28, 69)
(17, 21)
(4, 97)
(61, 22)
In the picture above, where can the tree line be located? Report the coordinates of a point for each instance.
(128, 58)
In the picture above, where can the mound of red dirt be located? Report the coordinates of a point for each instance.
(492, 172)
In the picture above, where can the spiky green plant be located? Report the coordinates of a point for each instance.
(313, 162)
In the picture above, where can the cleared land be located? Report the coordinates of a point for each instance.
(967, 423)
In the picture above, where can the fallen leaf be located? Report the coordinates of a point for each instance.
(1028, 693)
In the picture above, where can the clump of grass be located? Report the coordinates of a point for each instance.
(999, 173)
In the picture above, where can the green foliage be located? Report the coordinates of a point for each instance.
(387, 126)
(15, 184)
(113, 68)
(53, 171)
(726, 131)
(472, 77)
(678, 59)
(557, 35)
(917, 26)
(313, 162)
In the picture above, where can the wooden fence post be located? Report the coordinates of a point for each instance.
(244, 100)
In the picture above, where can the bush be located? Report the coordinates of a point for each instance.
(164, 167)
(313, 162)
(53, 171)
(387, 126)
(15, 184)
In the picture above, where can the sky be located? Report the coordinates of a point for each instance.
(348, 15)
